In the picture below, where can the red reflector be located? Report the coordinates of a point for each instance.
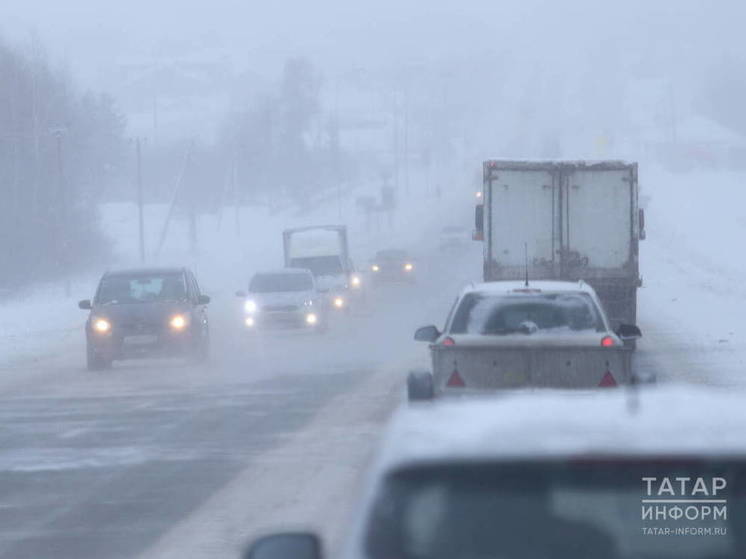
(449, 341)
(455, 381)
(607, 341)
(607, 380)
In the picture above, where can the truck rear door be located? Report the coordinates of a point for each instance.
(598, 215)
(522, 205)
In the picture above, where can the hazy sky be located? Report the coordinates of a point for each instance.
(87, 33)
(582, 49)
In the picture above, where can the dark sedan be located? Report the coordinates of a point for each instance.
(146, 313)
(393, 265)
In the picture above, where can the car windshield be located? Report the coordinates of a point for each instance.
(319, 265)
(499, 314)
(122, 289)
(391, 255)
(275, 283)
(560, 510)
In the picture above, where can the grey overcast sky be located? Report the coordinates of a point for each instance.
(335, 33)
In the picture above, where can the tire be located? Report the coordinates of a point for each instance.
(420, 386)
(95, 361)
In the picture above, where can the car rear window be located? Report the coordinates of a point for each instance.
(500, 314)
(561, 510)
(276, 283)
(141, 288)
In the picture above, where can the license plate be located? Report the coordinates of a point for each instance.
(140, 340)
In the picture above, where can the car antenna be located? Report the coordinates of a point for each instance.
(525, 256)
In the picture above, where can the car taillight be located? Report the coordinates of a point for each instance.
(449, 342)
(607, 341)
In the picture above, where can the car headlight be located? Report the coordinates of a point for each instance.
(375, 267)
(355, 281)
(250, 306)
(101, 325)
(249, 321)
(311, 318)
(339, 302)
(178, 322)
(409, 266)
(308, 303)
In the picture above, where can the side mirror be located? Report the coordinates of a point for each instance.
(85, 304)
(427, 334)
(241, 294)
(628, 332)
(290, 545)
(203, 299)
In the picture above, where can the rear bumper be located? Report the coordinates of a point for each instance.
(489, 369)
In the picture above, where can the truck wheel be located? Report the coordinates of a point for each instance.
(95, 361)
(420, 386)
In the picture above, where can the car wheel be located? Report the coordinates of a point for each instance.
(420, 386)
(95, 361)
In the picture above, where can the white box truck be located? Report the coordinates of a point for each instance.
(565, 220)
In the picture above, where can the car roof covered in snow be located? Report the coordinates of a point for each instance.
(654, 422)
(506, 287)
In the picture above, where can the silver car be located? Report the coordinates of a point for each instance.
(286, 298)
(516, 334)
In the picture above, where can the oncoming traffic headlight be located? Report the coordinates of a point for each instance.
(355, 281)
(339, 302)
(375, 267)
(249, 321)
(250, 306)
(409, 266)
(178, 322)
(311, 318)
(101, 325)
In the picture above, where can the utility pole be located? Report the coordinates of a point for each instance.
(64, 233)
(406, 141)
(140, 216)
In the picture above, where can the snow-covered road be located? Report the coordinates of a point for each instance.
(154, 459)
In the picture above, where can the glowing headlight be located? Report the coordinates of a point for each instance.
(479, 193)
(101, 325)
(375, 267)
(339, 302)
(250, 306)
(178, 322)
(355, 281)
(249, 321)
(408, 267)
(311, 318)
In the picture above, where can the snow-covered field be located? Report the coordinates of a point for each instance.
(42, 321)
(694, 296)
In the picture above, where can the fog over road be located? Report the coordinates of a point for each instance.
(157, 459)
